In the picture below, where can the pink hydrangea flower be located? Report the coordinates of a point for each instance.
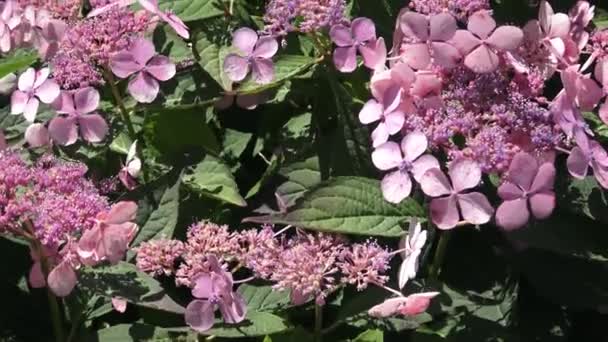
(387, 112)
(482, 42)
(132, 168)
(404, 160)
(33, 87)
(142, 61)
(551, 29)
(594, 156)
(213, 290)
(527, 188)
(78, 107)
(111, 235)
(473, 206)
(408, 306)
(43, 31)
(254, 53)
(9, 23)
(429, 38)
(360, 36)
(412, 244)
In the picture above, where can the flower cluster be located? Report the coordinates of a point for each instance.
(284, 16)
(61, 214)
(466, 89)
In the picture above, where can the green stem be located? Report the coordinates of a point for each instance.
(444, 237)
(318, 323)
(118, 99)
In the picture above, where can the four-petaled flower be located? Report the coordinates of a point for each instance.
(254, 53)
(388, 112)
(141, 59)
(78, 107)
(429, 39)
(474, 206)
(412, 244)
(527, 181)
(406, 159)
(214, 290)
(408, 306)
(481, 43)
(32, 87)
(360, 36)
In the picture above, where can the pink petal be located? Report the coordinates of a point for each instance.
(545, 178)
(414, 145)
(161, 68)
(443, 27)
(414, 25)
(422, 165)
(387, 156)
(116, 238)
(475, 208)
(394, 122)
(36, 277)
(203, 286)
(121, 212)
(199, 315)
(391, 98)
(545, 12)
(244, 39)
(396, 186)
(41, 76)
(380, 135)
(416, 55)
(542, 204)
(445, 55)
(444, 212)
(522, 170)
(465, 41)
(31, 108)
(506, 38)
(578, 163)
(374, 54)
(143, 87)
(341, 36)
(388, 308)
(63, 130)
(589, 94)
(434, 183)
(403, 74)
(93, 127)
(603, 112)
(509, 191)
(62, 279)
(262, 71)
(123, 64)
(482, 60)
(176, 24)
(427, 83)
(560, 25)
(65, 103)
(88, 246)
(512, 214)
(532, 31)
(601, 71)
(417, 303)
(37, 135)
(142, 50)
(236, 67)
(119, 304)
(18, 101)
(465, 174)
(345, 58)
(86, 100)
(481, 23)
(371, 112)
(363, 29)
(233, 311)
(26, 80)
(266, 47)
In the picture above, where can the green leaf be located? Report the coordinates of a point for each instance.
(370, 336)
(170, 44)
(601, 18)
(212, 60)
(190, 10)
(18, 60)
(263, 297)
(121, 143)
(583, 197)
(213, 178)
(137, 332)
(301, 177)
(255, 324)
(162, 221)
(348, 205)
(235, 143)
(285, 67)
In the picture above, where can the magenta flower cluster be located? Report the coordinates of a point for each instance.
(284, 16)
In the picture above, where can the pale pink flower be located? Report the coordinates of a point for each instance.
(594, 156)
(407, 306)
(361, 37)
(9, 22)
(33, 87)
(253, 54)
(119, 304)
(387, 112)
(412, 244)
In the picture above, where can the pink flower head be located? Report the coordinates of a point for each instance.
(594, 155)
(527, 181)
(551, 29)
(149, 68)
(111, 235)
(412, 244)
(43, 32)
(474, 206)
(132, 168)
(581, 90)
(429, 38)
(408, 306)
(388, 112)
(9, 22)
(76, 108)
(214, 290)
(360, 36)
(404, 160)
(254, 53)
(570, 119)
(151, 6)
(33, 86)
(482, 42)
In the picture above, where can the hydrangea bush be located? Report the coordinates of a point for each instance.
(297, 170)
